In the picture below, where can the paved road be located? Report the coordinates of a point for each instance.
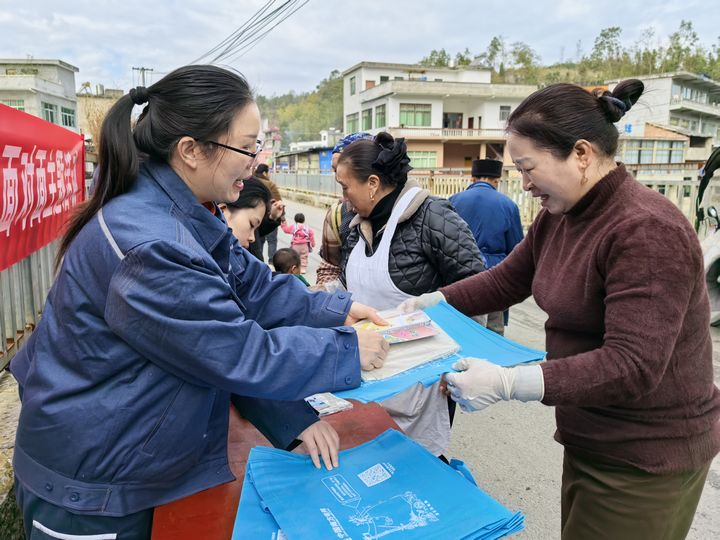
(510, 447)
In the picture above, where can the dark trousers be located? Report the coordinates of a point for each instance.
(496, 322)
(45, 521)
(271, 240)
(618, 502)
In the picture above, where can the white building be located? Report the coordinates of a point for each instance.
(685, 100)
(449, 116)
(43, 88)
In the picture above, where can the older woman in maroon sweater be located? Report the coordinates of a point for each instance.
(619, 271)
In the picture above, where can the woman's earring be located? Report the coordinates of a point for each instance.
(584, 179)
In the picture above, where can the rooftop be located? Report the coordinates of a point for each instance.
(698, 79)
(37, 62)
(414, 68)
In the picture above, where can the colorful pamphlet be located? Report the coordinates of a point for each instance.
(402, 327)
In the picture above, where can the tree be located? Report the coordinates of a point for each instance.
(464, 58)
(607, 47)
(526, 62)
(436, 58)
(301, 117)
(683, 51)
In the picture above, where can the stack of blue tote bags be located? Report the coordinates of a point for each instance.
(389, 488)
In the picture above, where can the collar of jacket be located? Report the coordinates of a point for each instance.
(418, 199)
(209, 229)
(480, 183)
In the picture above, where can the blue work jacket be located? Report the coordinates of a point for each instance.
(156, 317)
(494, 220)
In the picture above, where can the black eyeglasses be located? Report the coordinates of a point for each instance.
(258, 149)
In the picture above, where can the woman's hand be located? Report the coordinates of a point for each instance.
(480, 383)
(359, 312)
(321, 439)
(276, 210)
(421, 302)
(373, 349)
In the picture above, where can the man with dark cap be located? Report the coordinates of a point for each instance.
(494, 220)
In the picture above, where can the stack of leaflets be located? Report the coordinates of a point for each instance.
(328, 403)
(389, 487)
(402, 327)
(415, 340)
(424, 360)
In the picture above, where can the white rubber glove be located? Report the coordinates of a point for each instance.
(421, 302)
(481, 383)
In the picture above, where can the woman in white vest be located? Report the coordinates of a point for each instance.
(402, 243)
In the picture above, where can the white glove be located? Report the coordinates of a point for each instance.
(421, 302)
(481, 383)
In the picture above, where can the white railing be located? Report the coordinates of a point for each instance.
(710, 108)
(445, 133)
(445, 184)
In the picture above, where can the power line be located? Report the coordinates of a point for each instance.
(142, 71)
(249, 44)
(252, 31)
(228, 41)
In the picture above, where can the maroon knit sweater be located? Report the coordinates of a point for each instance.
(630, 356)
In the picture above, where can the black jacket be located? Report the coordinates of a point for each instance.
(432, 246)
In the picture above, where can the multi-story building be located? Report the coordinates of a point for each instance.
(44, 88)
(681, 99)
(449, 116)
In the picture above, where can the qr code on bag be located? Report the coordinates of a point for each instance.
(374, 475)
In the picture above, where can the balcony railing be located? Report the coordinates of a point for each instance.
(678, 102)
(445, 133)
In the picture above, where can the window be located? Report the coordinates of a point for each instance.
(676, 154)
(453, 120)
(504, 112)
(352, 86)
(662, 152)
(367, 119)
(646, 151)
(384, 78)
(352, 123)
(18, 104)
(423, 160)
(68, 117)
(49, 112)
(399, 78)
(415, 114)
(380, 116)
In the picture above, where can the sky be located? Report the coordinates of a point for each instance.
(106, 39)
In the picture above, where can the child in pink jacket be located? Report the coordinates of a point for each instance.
(303, 239)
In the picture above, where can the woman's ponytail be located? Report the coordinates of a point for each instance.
(117, 169)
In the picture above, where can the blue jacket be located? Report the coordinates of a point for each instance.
(156, 317)
(494, 220)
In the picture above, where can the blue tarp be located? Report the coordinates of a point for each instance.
(474, 340)
(390, 487)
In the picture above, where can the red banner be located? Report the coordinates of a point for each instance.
(42, 178)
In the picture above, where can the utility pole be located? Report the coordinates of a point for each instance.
(142, 71)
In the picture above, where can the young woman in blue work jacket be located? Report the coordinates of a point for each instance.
(157, 316)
